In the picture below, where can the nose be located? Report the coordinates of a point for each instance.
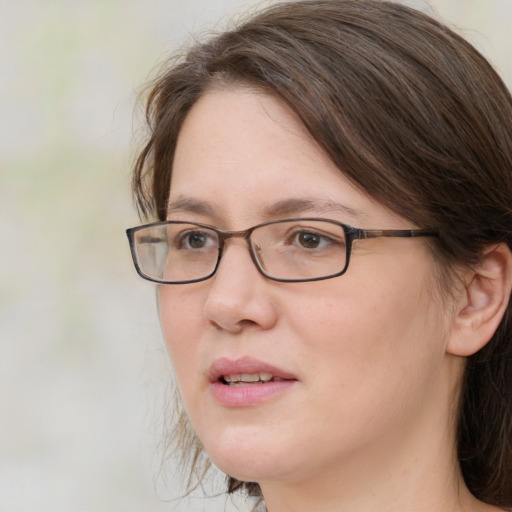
(239, 296)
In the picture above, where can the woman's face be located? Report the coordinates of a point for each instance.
(360, 358)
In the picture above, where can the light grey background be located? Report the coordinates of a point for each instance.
(83, 372)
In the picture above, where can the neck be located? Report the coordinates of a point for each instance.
(407, 485)
(413, 467)
(410, 486)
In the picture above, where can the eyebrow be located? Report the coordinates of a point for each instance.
(290, 207)
(283, 208)
(189, 205)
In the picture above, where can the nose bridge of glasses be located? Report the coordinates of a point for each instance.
(224, 235)
(246, 236)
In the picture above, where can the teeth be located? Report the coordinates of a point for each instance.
(248, 378)
(232, 378)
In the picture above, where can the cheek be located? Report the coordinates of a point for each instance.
(366, 340)
(180, 320)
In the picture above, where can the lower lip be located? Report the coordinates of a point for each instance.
(251, 394)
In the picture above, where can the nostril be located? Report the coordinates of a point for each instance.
(215, 325)
(234, 329)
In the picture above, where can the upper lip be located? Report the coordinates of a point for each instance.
(226, 366)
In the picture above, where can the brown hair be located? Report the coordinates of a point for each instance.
(413, 115)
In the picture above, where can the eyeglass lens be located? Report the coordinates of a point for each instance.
(290, 250)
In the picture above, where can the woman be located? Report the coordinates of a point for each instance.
(383, 384)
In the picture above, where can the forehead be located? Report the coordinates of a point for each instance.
(243, 154)
(241, 127)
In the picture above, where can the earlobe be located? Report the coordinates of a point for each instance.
(486, 294)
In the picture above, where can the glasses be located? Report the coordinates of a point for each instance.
(288, 250)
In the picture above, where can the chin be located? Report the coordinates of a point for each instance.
(250, 470)
(248, 457)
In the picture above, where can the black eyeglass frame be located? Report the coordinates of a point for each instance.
(351, 234)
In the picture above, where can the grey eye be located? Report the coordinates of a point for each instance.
(197, 240)
(194, 240)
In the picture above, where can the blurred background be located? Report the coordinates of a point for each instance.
(83, 373)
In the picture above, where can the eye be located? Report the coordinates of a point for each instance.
(309, 239)
(195, 240)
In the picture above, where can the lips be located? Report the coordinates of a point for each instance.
(245, 367)
(247, 381)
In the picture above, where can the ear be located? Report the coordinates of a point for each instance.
(483, 301)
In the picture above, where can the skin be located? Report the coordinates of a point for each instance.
(369, 424)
